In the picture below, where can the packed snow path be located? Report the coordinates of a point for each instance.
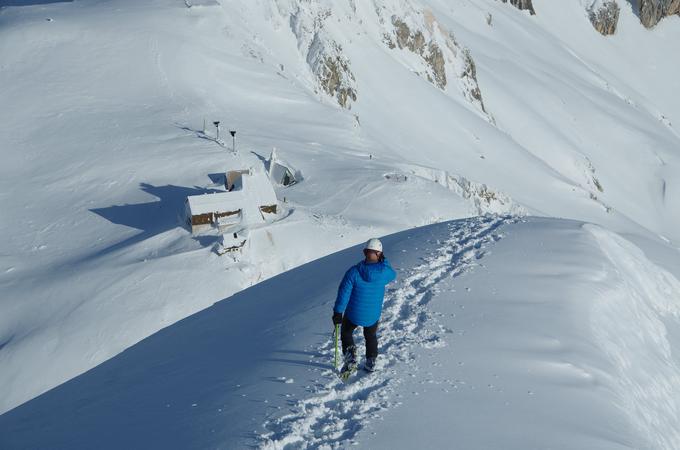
(336, 411)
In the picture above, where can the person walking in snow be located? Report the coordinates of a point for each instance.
(360, 298)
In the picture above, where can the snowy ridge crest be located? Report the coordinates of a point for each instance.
(335, 412)
(647, 373)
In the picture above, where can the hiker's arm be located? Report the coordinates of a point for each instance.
(344, 291)
(390, 274)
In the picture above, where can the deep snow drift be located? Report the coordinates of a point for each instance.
(498, 333)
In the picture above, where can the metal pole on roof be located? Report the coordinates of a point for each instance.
(217, 125)
(233, 140)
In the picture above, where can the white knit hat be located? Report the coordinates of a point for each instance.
(374, 244)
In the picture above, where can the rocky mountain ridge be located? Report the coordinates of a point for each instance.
(410, 32)
(651, 12)
(414, 36)
(604, 14)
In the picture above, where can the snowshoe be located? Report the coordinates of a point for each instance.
(370, 364)
(348, 370)
(350, 366)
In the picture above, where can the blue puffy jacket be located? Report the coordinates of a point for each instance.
(361, 292)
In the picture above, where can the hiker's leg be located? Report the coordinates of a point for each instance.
(346, 335)
(371, 336)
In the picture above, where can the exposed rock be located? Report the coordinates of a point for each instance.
(431, 53)
(405, 39)
(387, 39)
(435, 58)
(444, 60)
(323, 54)
(652, 11)
(470, 73)
(604, 16)
(332, 70)
(523, 5)
(332, 81)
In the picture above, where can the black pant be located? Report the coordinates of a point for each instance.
(370, 334)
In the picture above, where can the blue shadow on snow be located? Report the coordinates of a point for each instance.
(154, 217)
(30, 2)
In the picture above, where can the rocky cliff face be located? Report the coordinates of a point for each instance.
(412, 34)
(323, 54)
(333, 71)
(415, 42)
(652, 11)
(443, 61)
(604, 15)
(522, 4)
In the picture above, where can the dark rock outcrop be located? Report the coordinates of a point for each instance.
(332, 69)
(470, 73)
(429, 51)
(327, 62)
(405, 39)
(443, 61)
(332, 75)
(435, 59)
(523, 5)
(605, 18)
(652, 11)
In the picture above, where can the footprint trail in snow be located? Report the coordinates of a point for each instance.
(335, 412)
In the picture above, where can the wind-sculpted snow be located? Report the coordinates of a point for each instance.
(335, 411)
(636, 325)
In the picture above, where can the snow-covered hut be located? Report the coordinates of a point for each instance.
(204, 211)
(250, 197)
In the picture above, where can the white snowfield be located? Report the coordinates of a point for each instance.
(498, 333)
(565, 337)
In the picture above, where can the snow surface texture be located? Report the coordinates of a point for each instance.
(647, 376)
(101, 139)
(335, 413)
(587, 365)
(522, 324)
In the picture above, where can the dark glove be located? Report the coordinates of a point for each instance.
(337, 318)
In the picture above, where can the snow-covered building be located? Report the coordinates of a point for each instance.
(232, 179)
(281, 172)
(248, 199)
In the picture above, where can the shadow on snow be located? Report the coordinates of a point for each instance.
(207, 381)
(30, 2)
(154, 217)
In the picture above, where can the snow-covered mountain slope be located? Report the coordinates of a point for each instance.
(395, 114)
(498, 333)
